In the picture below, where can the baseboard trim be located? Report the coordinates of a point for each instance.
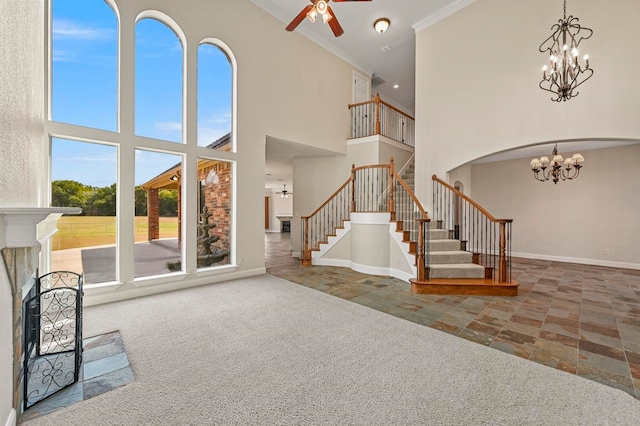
(579, 260)
(130, 291)
(11, 420)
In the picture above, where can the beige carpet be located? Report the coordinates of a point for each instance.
(265, 351)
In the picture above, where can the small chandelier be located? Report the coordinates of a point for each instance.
(565, 72)
(556, 172)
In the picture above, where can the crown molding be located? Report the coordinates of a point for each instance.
(441, 14)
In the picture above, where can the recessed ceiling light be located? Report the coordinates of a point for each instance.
(395, 86)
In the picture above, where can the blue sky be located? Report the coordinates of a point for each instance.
(84, 90)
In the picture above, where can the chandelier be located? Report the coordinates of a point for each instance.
(570, 171)
(565, 72)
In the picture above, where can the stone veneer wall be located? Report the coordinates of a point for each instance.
(22, 268)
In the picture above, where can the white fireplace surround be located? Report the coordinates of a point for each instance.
(31, 226)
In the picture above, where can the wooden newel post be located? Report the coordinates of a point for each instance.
(420, 251)
(392, 204)
(353, 188)
(306, 253)
(377, 113)
(502, 273)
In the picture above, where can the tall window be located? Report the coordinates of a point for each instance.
(84, 38)
(84, 175)
(214, 96)
(158, 81)
(132, 185)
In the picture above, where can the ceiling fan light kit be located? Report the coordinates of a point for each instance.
(284, 193)
(319, 7)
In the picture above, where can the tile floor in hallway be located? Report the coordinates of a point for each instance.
(578, 318)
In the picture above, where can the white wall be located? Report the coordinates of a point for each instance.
(22, 158)
(477, 75)
(571, 221)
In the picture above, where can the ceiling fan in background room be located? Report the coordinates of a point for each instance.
(284, 193)
(320, 7)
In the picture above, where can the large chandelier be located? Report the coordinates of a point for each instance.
(556, 172)
(565, 72)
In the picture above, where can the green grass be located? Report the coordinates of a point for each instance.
(87, 231)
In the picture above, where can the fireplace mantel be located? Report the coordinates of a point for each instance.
(31, 226)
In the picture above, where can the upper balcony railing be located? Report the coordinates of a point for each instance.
(377, 117)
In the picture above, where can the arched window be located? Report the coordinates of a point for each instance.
(134, 187)
(84, 65)
(215, 85)
(158, 81)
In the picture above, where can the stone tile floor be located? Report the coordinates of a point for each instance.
(105, 366)
(581, 319)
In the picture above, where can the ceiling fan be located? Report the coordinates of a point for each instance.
(320, 7)
(284, 193)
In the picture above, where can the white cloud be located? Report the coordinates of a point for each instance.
(168, 126)
(74, 30)
(207, 135)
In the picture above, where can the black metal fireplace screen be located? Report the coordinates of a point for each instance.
(52, 336)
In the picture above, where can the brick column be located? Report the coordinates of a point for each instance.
(153, 213)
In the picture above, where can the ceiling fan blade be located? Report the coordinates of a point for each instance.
(334, 24)
(296, 21)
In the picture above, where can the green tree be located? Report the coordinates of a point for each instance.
(141, 201)
(103, 201)
(168, 202)
(68, 193)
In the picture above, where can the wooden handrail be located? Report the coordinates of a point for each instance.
(378, 100)
(396, 110)
(411, 194)
(473, 203)
(372, 101)
(372, 166)
(328, 200)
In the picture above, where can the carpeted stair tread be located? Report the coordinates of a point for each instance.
(456, 270)
(449, 257)
(444, 245)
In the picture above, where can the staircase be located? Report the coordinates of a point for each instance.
(476, 262)
(446, 260)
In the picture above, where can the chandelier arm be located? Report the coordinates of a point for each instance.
(572, 25)
(555, 28)
(576, 170)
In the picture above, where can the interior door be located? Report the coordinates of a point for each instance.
(361, 123)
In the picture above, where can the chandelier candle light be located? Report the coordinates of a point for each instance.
(556, 172)
(565, 72)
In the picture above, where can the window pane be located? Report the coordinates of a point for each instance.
(214, 97)
(84, 175)
(158, 97)
(214, 222)
(157, 224)
(84, 37)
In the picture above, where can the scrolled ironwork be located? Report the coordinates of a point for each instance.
(52, 339)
